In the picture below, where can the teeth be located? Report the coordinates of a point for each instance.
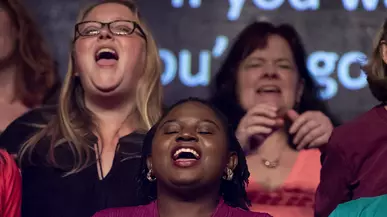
(185, 150)
(106, 50)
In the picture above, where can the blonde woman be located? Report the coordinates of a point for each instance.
(85, 157)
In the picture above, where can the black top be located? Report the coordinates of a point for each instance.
(46, 193)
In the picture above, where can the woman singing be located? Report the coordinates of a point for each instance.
(265, 89)
(192, 165)
(84, 154)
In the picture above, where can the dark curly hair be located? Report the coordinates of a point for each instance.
(233, 192)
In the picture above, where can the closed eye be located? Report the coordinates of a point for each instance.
(285, 66)
(205, 132)
(170, 132)
(253, 65)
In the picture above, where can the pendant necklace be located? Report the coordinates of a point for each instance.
(271, 164)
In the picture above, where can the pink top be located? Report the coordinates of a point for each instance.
(150, 210)
(296, 197)
(10, 186)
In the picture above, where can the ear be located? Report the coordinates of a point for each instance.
(232, 161)
(383, 51)
(300, 90)
(149, 162)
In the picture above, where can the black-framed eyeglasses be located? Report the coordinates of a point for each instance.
(117, 27)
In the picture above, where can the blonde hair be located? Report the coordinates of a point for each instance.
(376, 68)
(73, 122)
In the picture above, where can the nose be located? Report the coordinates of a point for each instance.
(270, 71)
(187, 136)
(105, 33)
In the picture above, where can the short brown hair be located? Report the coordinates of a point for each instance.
(376, 68)
(38, 73)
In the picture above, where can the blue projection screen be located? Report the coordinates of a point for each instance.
(194, 36)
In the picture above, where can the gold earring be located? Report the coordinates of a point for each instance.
(229, 174)
(150, 177)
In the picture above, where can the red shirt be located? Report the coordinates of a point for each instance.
(150, 210)
(295, 197)
(10, 186)
(355, 162)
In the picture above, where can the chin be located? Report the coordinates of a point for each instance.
(106, 85)
(108, 88)
(185, 181)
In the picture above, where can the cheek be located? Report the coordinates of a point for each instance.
(82, 49)
(134, 54)
(246, 82)
(160, 156)
(218, 149)
(291, 82)
(82, 55)
(135, 57)
(291, 87)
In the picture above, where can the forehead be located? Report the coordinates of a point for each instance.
(276, 47)
(194, 110)
(109, 12)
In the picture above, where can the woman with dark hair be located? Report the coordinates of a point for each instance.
(28, 75)
(357, 151)
(192, 164)
(265, 90)
(10, 186)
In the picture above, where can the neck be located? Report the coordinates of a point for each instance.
(114, 117)
(277, 142)
(172, 205)
(7, 83)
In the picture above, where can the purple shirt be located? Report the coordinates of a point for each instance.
(355, 162)
(150, 210)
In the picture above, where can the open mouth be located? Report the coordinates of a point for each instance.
(185, 154)
(106, 55)
(269, 89)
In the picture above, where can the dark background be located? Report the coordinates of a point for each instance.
(332, 30)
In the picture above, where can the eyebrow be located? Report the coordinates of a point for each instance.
(205, 120)
(263, 59)
(112, 20)
(212, 122)
(166, 122)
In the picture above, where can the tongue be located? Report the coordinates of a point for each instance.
(106, 62)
